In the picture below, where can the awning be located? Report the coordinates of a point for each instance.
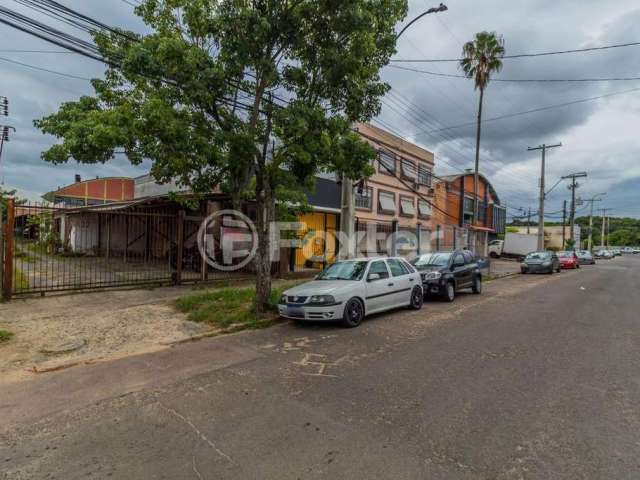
(481, 229)
(407, 207)
(387, 202)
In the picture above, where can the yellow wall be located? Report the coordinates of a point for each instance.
(313, 236)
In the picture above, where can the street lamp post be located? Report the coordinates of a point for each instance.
(440, 8)
(347, 222)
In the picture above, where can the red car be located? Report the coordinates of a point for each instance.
(569, 260)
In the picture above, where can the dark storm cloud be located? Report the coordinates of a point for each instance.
(595, 138)
(526, 27)
(33, 94)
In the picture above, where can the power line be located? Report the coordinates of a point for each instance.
(69, 75)
(423, 116)
(521, 80)
(14, 50)
(524, 55)
(535, 110)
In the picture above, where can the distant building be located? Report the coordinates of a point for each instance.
(147, 186)
(97, 191)
(553, 235)
(454, 212)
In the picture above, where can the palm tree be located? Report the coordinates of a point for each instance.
(480, 58)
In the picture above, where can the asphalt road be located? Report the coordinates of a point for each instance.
(538, 378)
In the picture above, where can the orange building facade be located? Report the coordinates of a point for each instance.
(97, 191)
(454, 212)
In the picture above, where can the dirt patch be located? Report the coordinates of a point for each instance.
(105, 325)
(99, 326)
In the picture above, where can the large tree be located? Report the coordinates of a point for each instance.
(480, 58)
(254, 96)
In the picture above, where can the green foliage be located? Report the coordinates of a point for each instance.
(481, 57)
(5, 336)
(253, 97)
(44, 226)
(5, 195)
(168, 95)
(512, 230)
(226, 306)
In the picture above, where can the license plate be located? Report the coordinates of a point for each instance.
(295, 311)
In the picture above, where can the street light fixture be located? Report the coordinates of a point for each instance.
(441, 8)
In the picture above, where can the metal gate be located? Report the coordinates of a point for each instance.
(53, 249)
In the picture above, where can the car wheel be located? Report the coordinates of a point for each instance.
(523, 271)
(449, 294)
(353, 313)
(417, 298)
(477, 285)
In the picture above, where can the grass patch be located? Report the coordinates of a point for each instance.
(5, 336)
(229, 306)
(20, 281)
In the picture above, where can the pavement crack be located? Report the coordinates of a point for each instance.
(195, 469)
(201, 435)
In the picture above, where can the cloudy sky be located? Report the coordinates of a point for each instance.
(601, 137)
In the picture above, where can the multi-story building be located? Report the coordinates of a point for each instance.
(454, 212)
(399, 195)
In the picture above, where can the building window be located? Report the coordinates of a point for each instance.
(482, 213)
(468, 210)
(424, 176)
(409, 170)
(364, 200)
(386, 203)
(407, 207)
(387, 162)
(424, 208)
(499, 219)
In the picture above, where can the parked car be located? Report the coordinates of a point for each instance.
(446, 273)
(616, 252)
(569, 259)
(603, 254)
(349, 290)
(540, 262)
(585, 257)
(635, 251)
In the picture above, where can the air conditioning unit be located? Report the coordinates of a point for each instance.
(431, 191)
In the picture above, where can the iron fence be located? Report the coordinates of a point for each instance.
(54, 249)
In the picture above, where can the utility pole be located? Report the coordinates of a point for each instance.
(603, 232)
(544, 148)
(592, 200)
(564, 222)
(347, 219)
(573, 187)
(529, 221)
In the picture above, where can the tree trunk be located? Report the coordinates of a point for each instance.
(265, 213)
(265, 206)
(477, 166)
